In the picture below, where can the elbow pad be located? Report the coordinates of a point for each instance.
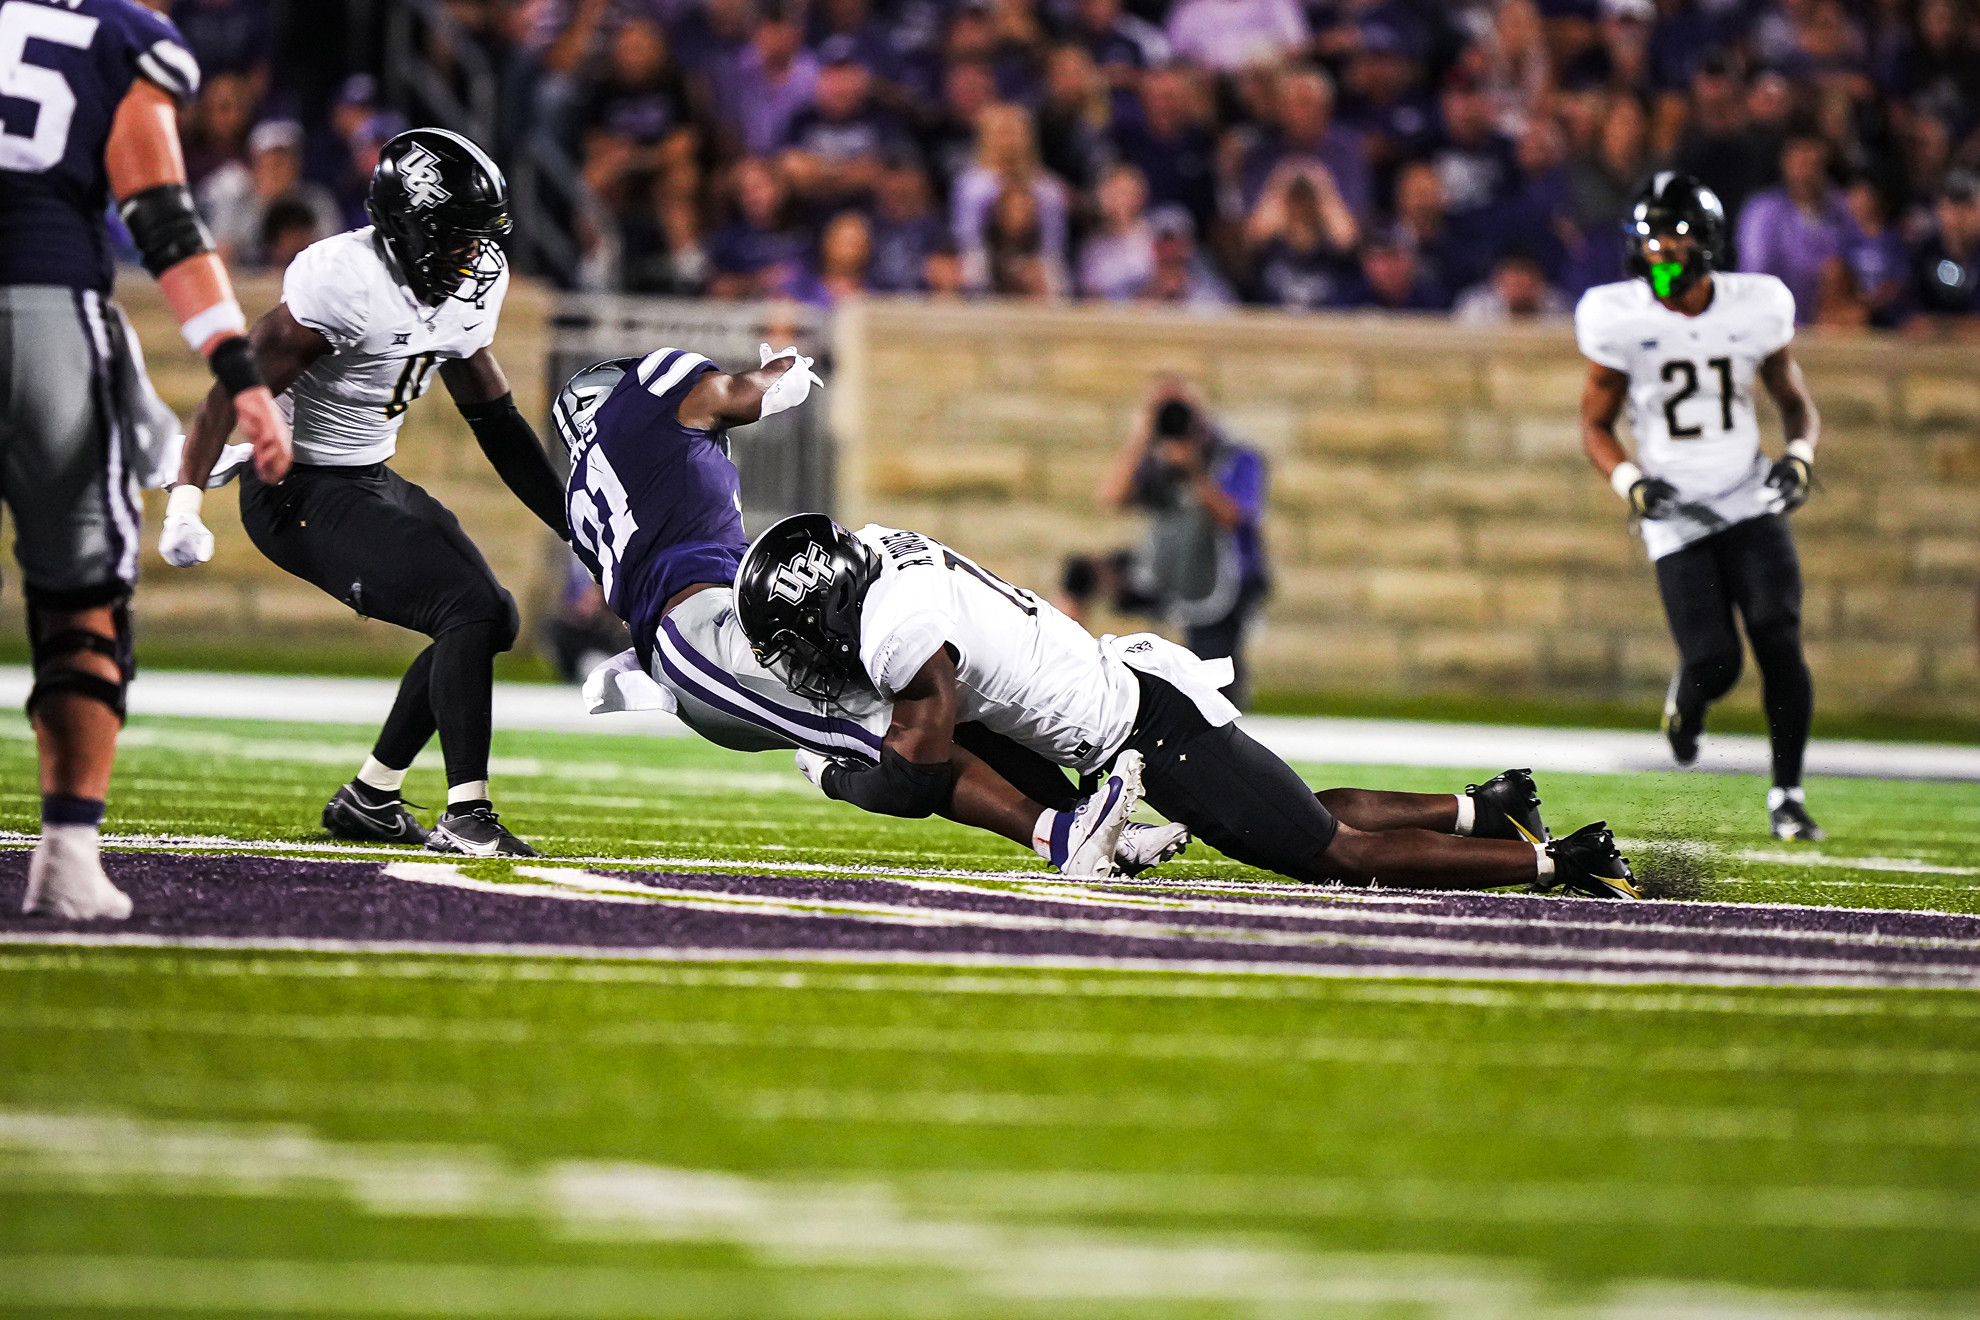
(895, 787)
(165, 226)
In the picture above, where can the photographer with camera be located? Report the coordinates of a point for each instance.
(1203, 564)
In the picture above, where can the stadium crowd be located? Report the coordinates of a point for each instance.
(1461, 158)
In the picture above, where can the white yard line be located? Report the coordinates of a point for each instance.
(556, 709)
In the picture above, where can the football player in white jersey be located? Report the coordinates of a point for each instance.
(1682, 344)
(365, 320)
(893, 614)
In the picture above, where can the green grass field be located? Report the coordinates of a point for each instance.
(212, 1131)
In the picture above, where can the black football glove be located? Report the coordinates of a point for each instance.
(1790, 476)
(1653, 498)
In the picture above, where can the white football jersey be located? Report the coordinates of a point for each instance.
(1023, 669)
(347, 408)
(1691, 382)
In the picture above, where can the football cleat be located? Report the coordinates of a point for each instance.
(476, 833)
(1507, 806)
(1587, 862)
(352, 813)
(1681, 730)
(1084, 839)
(1791, 820)
(66, 880)
(1143, 847)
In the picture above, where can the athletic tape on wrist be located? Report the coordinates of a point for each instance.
(184, 501)
(221, 318)
(1625, 475)
(1802, 450)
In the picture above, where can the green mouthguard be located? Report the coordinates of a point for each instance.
(1664, 275)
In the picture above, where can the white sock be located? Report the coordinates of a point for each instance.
(474, 790)
(1041, 833)
(376, 774)
(1776, 796)
(1542, 861)
(73, 840)
(1467, 814)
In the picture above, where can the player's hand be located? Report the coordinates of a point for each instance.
(184, 540)
(1790, 477)
(262, 426)
(813, 767)
(1653, 498)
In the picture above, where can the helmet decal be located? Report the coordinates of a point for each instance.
(421, 171)
(801, 574)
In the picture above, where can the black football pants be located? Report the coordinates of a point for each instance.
(1750, 567)
(390, 551)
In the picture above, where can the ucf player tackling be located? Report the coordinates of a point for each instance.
(367, 320)
(1682, 345)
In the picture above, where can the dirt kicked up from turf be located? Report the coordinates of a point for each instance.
(423, 902)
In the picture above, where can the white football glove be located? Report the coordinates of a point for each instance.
(813, 767)
(791, 388)
(184, 540)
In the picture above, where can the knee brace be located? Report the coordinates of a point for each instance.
(51, 652)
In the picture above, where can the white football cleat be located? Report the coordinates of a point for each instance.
(66, 880)
(1084, 839)
(1145, 846)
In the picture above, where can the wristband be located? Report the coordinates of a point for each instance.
(233, 365)
(184, 501)
(1625, 475)
(1802, 450)
(225, 315)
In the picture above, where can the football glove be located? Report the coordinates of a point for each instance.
(794, 386)
(1653, 498)
(184, 540)
(813, 767)
(1790, 477)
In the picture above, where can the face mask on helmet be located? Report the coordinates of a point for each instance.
(801, 666)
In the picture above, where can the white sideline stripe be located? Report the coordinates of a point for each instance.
(1111, 984)
(549, 708)
(1894, 977)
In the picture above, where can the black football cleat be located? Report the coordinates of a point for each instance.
(476, 833)
(1507, 806)
(370, 815)
(1587, 862)
(1681, 728)
(1791, 820)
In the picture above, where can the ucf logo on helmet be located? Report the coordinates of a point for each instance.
(420, 171)
(800, 576)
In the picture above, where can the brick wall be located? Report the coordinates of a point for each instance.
(1433, 521)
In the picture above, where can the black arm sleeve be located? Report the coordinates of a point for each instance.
(895, 787)
(517, 457)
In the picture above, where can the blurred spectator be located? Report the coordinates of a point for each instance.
(1073, 118)
(1168, 142)
(1538, 215)
(1300, 238)
(1121, 44)
(216, 130)
(287, 228)
(1391, 280)
(773, 79)
(1013, 259)
(1720, 145)
(1619, 61)
(1118, 259)
(1513, 65)
(1303, 99)
(1938, 73)
(1945, 267)
(1181, 275)
(331, 150)
(835, 146)
(1517, 291)
(1796, 231)
(637, 126)
(1228, 35)
(845, 255)
(759, 253)
(229, 36)
(1443, 258)
(1473, 160)
(1385, 99)
(1007, 160)
(942, 273)
(236, 199)
(1874, 262)
(1203, 565)
(968, 89)
(583, 633)
(905, 227)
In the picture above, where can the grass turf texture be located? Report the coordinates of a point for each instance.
(508, 1136)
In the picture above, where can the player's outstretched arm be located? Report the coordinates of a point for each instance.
(481, 391)
(1602, 399)
(783, 382)
(1801, 425)
(148, 176)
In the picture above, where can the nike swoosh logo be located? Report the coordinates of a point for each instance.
(475, 326)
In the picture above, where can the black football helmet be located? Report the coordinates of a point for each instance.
(1669, 202)
(799, 591)
(442, 207)
(575, 409)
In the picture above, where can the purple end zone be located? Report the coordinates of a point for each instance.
(252, 899)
